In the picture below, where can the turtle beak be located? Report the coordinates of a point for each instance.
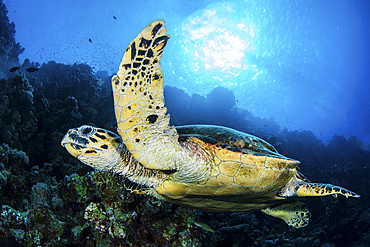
(65, 140)
(70, 143)
(73, 151)
(67, 137)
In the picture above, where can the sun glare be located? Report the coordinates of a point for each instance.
(215, 41)
(224, 51)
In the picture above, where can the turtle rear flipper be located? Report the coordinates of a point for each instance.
(294, 214)
(320, 189)
(302, 187)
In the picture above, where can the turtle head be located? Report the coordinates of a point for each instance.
(96, 147)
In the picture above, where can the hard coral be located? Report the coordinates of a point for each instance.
(17, 111)
(136, 220)
(9, 49)
(40, 195)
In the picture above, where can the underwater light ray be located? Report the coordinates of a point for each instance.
(215, 42)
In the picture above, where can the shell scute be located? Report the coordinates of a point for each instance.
(229, 167)
(280, 163)
(225, 180)
(230, 189)
(248, 175)
(201, 190)
(212, 181)
(225, 153)
(267, 178)
(173, 190)
(251, 159)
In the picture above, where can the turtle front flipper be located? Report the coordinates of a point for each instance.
(294, 214)
(140, 112)
(319, 189)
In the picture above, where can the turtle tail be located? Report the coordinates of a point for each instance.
(319, 189)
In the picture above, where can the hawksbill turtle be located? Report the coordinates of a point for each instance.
(211, 168)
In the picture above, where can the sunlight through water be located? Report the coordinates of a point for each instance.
(217, 43)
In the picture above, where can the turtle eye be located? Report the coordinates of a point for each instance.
(87, 131)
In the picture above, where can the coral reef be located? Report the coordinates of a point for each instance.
(17, 112)
(120, 214)
(9, 49)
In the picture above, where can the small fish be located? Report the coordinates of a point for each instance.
(14, 69)
(32, 69)
(114, 18)
(90, 40)
(204, 226)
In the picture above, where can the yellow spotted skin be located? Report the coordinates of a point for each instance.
(294, 214)
(138, 95)
(318, 189)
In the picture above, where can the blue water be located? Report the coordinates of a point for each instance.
(302, 63)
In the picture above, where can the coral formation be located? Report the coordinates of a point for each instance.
(9, 49)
